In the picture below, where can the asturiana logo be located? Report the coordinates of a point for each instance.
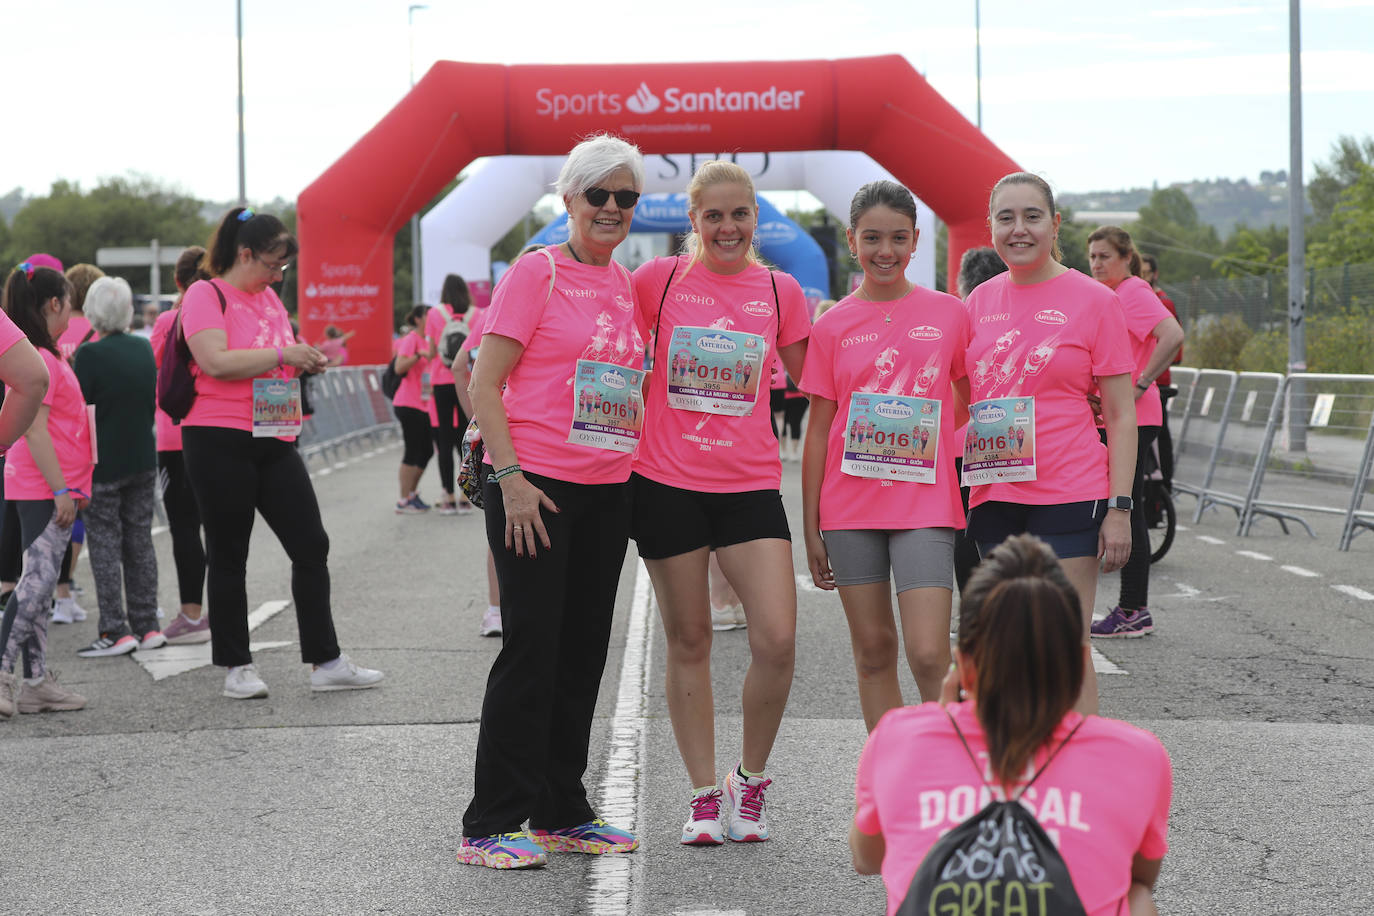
(613, 379)
(643, 101)
(989, 413)
(1051, 316)
(276, 389)
(925, 332)
(716, 343)
(757, 308)
(893, 410)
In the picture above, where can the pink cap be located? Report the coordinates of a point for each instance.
(45, 260)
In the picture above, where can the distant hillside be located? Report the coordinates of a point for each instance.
(1220, 202)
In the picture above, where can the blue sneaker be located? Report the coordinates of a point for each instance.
(416, 503)
(595, 837)
(1123, 624)
(504, 850)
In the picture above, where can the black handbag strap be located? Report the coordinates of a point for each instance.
(1048, 760)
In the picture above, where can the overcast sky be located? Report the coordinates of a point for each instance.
(1092, 95)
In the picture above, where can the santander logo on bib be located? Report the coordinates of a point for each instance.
(925, 332)
(1051, 316)
(757, 309)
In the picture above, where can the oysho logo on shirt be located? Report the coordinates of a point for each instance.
(1000, 316)
(694, 299)
(925, 332)
(757, 308)
(1051, 316)
(857, 339)
(578, 293)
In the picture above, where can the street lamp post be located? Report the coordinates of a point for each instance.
(978, 55)
(1297, 305)
(415, 217)
(243, 188)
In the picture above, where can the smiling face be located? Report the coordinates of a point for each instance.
(595, 231)
(724, 220)
(883, 242)
(1109, 266)
(1023, 229)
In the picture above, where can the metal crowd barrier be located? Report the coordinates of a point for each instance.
(1204, 414)
(350, 410)
(1246, 426)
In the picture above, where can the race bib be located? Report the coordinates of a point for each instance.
(891, 437)
(276, 407)
(714, 371)
(608, 406)
(426, 386)
(999, 446)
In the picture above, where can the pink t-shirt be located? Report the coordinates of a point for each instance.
(707, 452)
(168, 433)
(590, 314)
(69, 427)
(435, 320)
(9, 333)
(334, 348)
(77, 329)
(918, 354)
(249, 322)
(916, 782)
(1143, 312)
(412, 391)
(1052, 341)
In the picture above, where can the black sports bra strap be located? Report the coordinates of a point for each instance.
(1048, 760)
(662, 299)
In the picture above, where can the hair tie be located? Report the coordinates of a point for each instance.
(27, 268)
(246, 214)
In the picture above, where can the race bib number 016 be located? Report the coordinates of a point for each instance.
(608, 406)
(891, 437)
(714, 371)
(276, 407)
(999, 446)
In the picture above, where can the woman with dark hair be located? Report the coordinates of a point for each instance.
(414, 362)
(446, 415)
(47, 478)
(183, 518)
(1020, 662)
(1155, 338)
(241, 458)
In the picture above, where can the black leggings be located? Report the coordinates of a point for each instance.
(183, 518)
(419, 447)
(1135, 575)
(235, 475)
(792, 412)
(447, 437)
(541, 693)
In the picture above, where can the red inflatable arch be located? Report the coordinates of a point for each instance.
(459, 112)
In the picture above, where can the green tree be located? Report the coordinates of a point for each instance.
(1169, 229)
(1350, 232)
(1073, 240)
(1250, 252)
(1348, 157)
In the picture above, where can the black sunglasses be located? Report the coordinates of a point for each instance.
(597, 197)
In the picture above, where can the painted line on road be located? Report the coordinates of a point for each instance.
(1182, 528)
(173, 660)
(1254, 555)
(1104, 665)
(1354, 592)
(1299, 571)
(1207, 538)
(609, 877)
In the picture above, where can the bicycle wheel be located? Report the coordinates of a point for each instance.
(1161, 519)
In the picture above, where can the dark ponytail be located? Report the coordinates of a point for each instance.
(1021, 625)
(261, 233)
(455, 293)
(27, 290)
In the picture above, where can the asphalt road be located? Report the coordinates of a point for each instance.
(163, 798)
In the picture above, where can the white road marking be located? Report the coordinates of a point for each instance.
(160, 529)
(172, 660)
(1354, 592)
(804, 584)
(1253, 555)
(1299, 571)
(1182, 528)
(608, 887)
(1207, 538)
(1184, 591)
(1104, 665)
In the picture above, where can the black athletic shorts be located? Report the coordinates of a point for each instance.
(669, 521)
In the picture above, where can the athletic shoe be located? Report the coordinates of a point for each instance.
(504, 850)
(109, 645)
(748, 820)
(153, 639)
(183, 631)
(418, 504)
(448, 508)
(242, 683)
(66, 610)
(730, 617)
(491, 621)
(1123, 624)
(706, 826)
(406, 507)
(8, 689)
(464, 507)
(596, 837)
(344, 676)
(47, 696)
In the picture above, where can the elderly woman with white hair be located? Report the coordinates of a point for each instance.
(557, 391)
(119, 379)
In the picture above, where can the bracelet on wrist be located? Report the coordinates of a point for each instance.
(505, 472)
(56, 493)
(279, 357)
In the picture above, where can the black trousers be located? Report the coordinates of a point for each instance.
(556, 611)
(1135, 575)
(966, 557)
(447, 437)
(234, 474)
(183, 519)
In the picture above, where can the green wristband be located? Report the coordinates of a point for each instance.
(505, 472)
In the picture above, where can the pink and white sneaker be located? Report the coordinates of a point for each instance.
(706, 824)
(747, 818)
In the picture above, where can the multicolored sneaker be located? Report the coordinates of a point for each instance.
(418, 504)
(748, 819)
(504, 850)
(595, 837)
(705, 826)
(1124, 624)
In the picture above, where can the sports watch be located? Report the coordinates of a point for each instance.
(1124, 503)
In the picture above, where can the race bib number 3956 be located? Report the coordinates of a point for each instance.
(714, 371)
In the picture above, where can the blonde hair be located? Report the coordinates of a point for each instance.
(709, 174)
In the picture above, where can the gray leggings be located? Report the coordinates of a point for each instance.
(916, 557)
(25, 627)
(119, 524)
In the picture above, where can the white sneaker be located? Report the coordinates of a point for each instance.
(66, 610)
(344, 676)
(242, 683)
(730, 617)
(706, 824)
(748, 820)
(491, 621)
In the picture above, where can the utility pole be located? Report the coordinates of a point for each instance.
(243, 187)
(415, 284)
(1297, 304)
(978, 55)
